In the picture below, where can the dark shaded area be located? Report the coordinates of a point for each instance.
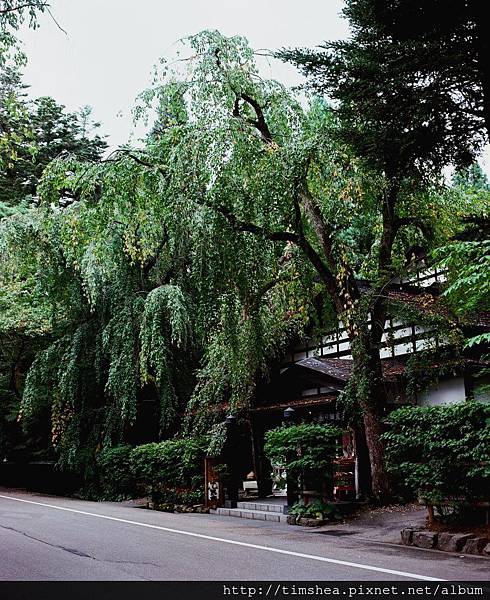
(42, 476)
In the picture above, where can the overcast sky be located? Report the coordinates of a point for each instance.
(106, 58)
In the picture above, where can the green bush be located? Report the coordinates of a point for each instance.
(441, 453)
(315, 510)
(161, 494)
(171, 471)
(306, 451)
(115, 478)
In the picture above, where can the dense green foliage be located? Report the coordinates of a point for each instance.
(181, 270)
(409, 81)
(171, 471)
(144, 277)
(115, 478)
(306, 451)
(167, 472)
(467, 258)
(468, 264)
(404, 134)
(315, 510)
(38, 132)
(175, 273)
(442, 452)
(446, 52)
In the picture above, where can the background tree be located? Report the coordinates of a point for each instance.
(35, 133)
(447, 52)
(467, 258)
(399, 127)
(17, 145)
(13, 128)
(32, 133)
(275, 210)
(213, 246)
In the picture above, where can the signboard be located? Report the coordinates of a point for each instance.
(213, 487)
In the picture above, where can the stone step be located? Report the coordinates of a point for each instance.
(258, 515)
(261, 506)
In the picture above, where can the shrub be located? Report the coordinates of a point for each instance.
(315, 510)
(441, 453)
(171, 471)
(306, 451)
(174, 496)
(115, 477)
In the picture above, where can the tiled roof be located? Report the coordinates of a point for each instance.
(341, 368)
(333, 367)
(423, 301)
(320, 400)
(481, 319)
(428, 302)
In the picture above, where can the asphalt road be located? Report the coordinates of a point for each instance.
(53, 538)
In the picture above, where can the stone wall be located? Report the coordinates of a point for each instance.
(462, 543)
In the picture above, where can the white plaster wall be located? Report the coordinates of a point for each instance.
(385, 353)
(344, 346)
(448, 391)
(405, 348)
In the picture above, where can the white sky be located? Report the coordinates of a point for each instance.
(106, 58)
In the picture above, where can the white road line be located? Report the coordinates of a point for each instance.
(233, 542)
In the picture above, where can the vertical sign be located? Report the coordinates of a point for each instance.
(213, 487)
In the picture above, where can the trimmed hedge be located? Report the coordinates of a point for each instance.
(441, 453)
(116, 481)
(306, 451)
(168, 471)
(171, 471)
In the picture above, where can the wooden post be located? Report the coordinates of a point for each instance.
(430, 510)
(233, 480)
(262, 471)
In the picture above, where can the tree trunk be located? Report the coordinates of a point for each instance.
(366, 381)
(364, 483)
(371, 396)
(373, 429)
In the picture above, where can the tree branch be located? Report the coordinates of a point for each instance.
(239, 225)
(414, 221)
(4, 11)
(139, 160)
(259, 123)
(55, 21)
(351, 292)
(385, 269)
(148, 265)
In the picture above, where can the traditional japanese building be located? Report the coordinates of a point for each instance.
(311, 376)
